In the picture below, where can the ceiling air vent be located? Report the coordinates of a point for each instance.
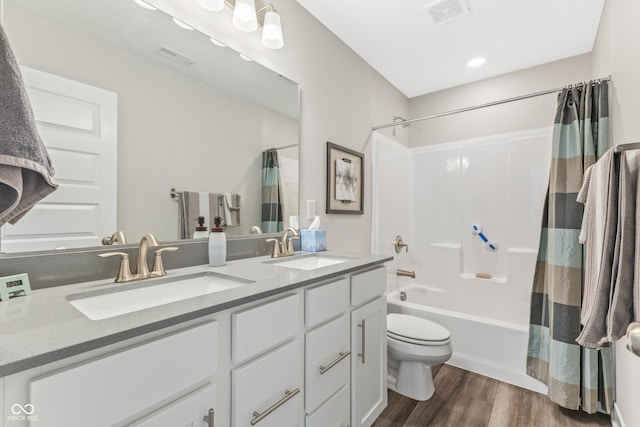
(172, 55)
(445, 11)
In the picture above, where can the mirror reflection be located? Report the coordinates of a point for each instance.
(131, 107)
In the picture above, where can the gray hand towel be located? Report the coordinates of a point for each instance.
(26, 173)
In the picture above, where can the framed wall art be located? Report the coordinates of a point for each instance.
(345, 180)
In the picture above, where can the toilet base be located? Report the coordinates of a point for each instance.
(411, 379)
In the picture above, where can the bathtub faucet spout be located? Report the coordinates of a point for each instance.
(405, 273)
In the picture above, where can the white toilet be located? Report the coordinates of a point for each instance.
(413, 345)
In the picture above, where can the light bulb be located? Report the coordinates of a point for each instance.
(216, 42)
(181, 24)
(145, 4)
(244, 16)
(211, 5)
(272, 31)
(476, 62)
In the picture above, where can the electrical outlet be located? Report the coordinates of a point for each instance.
(311, 209)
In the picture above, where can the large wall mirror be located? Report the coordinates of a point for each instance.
(173, 110)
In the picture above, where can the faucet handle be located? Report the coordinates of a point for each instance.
(158, 267)
(124, 272)
(276, 248)
(290, 250)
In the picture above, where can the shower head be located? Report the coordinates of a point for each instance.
(401, 119)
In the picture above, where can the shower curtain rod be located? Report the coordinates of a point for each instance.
(476, 107)
(284, 146)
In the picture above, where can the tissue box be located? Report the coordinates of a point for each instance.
(314, 240)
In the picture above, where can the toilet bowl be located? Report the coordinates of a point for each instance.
(414, 344)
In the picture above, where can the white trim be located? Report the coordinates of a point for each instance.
(616, 417)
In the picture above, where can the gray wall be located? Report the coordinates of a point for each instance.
(342, 97)
(511, 117)
(173, 131)
(616, 53)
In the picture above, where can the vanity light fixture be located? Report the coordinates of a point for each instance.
(181, 24)
(476, 62)
(216, 42)
(244, 16)
(272, 30)
(247, 19)
(145, 4)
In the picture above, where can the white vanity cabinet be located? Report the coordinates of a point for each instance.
(268, 389)
(192, 410)
(368, 347)
(327, 354)
(141, 383)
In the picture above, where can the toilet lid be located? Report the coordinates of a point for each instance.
(415, 328)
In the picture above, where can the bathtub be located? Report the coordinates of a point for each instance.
(490, 347)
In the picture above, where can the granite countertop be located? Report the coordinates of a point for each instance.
(44, 327)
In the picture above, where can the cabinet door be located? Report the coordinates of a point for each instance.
(187, 412)
(128, 383)
(334, 413)
(369, 362)
(327, 361)
(268, 391)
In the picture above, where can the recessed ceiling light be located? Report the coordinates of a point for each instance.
(181, 24)
(476, 62)
(246, 58)
(144, 4)
(216, 42)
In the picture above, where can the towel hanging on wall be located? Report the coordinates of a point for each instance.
(26, 172)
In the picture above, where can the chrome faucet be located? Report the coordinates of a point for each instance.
(399, 244)
(117, 237)
(148, 240)
(124, 272)
(406, 273)
(287, 244)
(284, 247)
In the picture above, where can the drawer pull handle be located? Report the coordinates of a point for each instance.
(340, 358)
(209, 419)
(260, 416)
(363, 339)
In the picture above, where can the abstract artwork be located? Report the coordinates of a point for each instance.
(344, 180)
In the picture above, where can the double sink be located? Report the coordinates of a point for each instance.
(128, 298)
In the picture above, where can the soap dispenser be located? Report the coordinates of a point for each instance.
(201, 230)
(217, 244)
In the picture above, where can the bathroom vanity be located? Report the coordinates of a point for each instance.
(297, 342)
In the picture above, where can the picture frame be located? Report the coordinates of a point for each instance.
(345, 180)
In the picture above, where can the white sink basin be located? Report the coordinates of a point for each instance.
(130, 297)
(310, 262)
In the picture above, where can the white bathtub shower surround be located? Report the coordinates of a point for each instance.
(480, 344)
(392, 176)
(436, 194)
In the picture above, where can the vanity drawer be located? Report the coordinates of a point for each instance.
(368, 285)
(336, 412)
(124, 384)
(328, 362)
(261, 327)
(265, 383)
(326, 301)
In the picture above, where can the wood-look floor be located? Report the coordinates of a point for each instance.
(466, 399)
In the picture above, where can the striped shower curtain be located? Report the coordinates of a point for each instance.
(577, 377)
(271, 193)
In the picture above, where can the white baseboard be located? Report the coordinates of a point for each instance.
(616, 418)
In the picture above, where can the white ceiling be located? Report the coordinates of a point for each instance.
(399, 39)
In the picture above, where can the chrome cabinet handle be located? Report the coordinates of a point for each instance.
(341, 357)
(363, 326)
(288, 395)
(209, 419)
